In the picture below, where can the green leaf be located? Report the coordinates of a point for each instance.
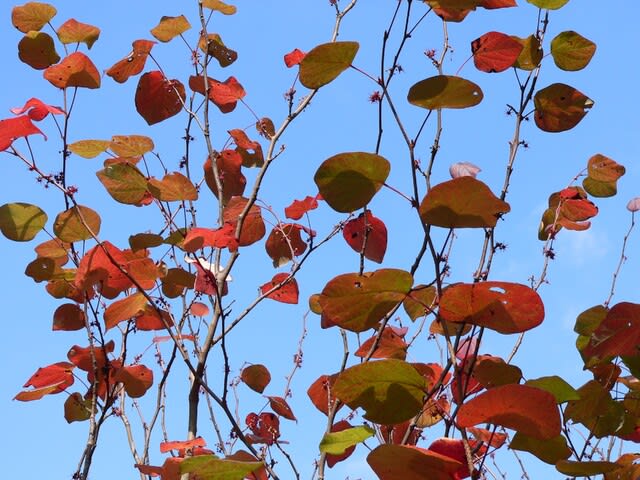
(335, 443)
(596, 410)
(549, 451)
(77, 408)
(549, 4)
(531, 54)
(445, 91)
(348, 181)
(77, 223)
(325, 62)
(560, 107)
(209, 467)
(21, 222)
(585, 469)
(358, 302)
(571, 51)
(463, 202)
(557, 387)
(124, 182)
(389, 391)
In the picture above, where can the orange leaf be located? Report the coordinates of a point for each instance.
(69, 317)
(199, 309)
(253, 228)
(285, 293)
(73, 31)
(59, 374)
(137, 379)
(298, 208)
(495, 52)
(281, 407)
(124, 309)
(294, 57)
(180, 445)
(84, 357)
(75, 70)
(256, 377)
(133, 63)
(224, 95)
(405, 462)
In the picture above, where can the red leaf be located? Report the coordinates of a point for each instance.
(256, 377)
(137, 379)
(59, 374)
(223, 237)
(320, 393)
(281, 407)
(224, 94)
(284, 243)
(491, 4)
(233, 182)
(371, 228)
(265, 427)
(298, 208)
(180, 445)
(37, 110)
(242, 140)
(495, 52)
(618, 334)
(133, 63)
(294, 57)
(83, 358)
(452, 448)
(75, 70)
(158, 98)
(287, 293)
(97, 268)
(390, 345)
(13, 128)
(253, 228)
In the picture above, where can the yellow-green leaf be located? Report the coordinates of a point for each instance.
(325, 62)
(131, 145)
(571, 51)
(445, 91)
(549, 4)
(73, 31)
(21, 222)
(335, 443)
(124, 182)
(77, 223)
(89, 148)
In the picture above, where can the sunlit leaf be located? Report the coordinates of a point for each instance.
(133, 63)
(405, 462)
(124, 309)
(281, 407)
(294, 57)
(571, 51)
(336, 443)
(560, 107)
(285, 243)
(603, 175)
(37, 50)
(618, 334)
(389, 391)
(173, 187)
(358, 302)
(549, 4)
(522, 408)
(367, 234)
(170, 27)
(253, 228)
(348, 181)
(420, 301)
(560, 389)
(298, 208)
(445, 91)
(37, 110)
(256, 377)
(75, 70)
(224, 94)
(36, 393)
(211, 467)
(321, 393)
(21, 222)
(463, 202)
(495, 52)
(124, 182)
(130, 145)
(390, 344)
(502, 306)
(322, 64)
(287, 293)
(230, 176)
(596, 410)
(137, 379)
(77, 223)
(73, 31)
(13, 128)
(158, 98)
(32, 16)
(182, 445)
(89, 148)
(219, 6)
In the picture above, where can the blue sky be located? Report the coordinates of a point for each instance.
(339, 119)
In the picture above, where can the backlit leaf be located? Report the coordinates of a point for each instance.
(77, 223)
(37, 110)
(348, 181)
(133, 63)
(75, 70)
(137, 379)
(219, 6)
(294, 57)
(211, 467)
(232, 180)
(556, 386)
(585, 469)
(358, 302)
(281, 407)
(445, 91)
(21, 222)
(13, 128)
(549, 4)
(69, 317)
(89, 148)
(495, 52)
(124, 182)
(124, 309)
(368, 235)
(32, 16)
(73, 31)
(298, 208)
(531, 54)
(158, 98)
(321, 393)
(322, 64)
(256, 377)
(36, 393)
(571, 51)
(463, 202)
(77, 408)
(420, 301)
(170, 27)
(560, 107)
(522, 408)
(85, 357)
(287, 293)
(130, 145)
(406, 462)
(596, 410)
(618, 334)
(549, 451)
(37, 50)
(182, 445)
(284, 243)
(59, 374)
(603, 175)
(253, 228)
(224, 94)
(213, 45)
(389, 391)
(390, 344)
(173, 187)
(501, 306)
(336, 443)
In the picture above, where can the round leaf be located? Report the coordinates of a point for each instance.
(571, 51)
(531, 54)
(325, 62)
(124, 182)
(21, 222)
(37, 50)
(560, 107)
(77, 223)
(404, 462)
(158, 98)
(170, 27)
(445, 91)
(348, 181)
(256, 377)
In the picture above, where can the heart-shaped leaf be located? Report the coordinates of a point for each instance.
(158, 98)
(560, 107)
